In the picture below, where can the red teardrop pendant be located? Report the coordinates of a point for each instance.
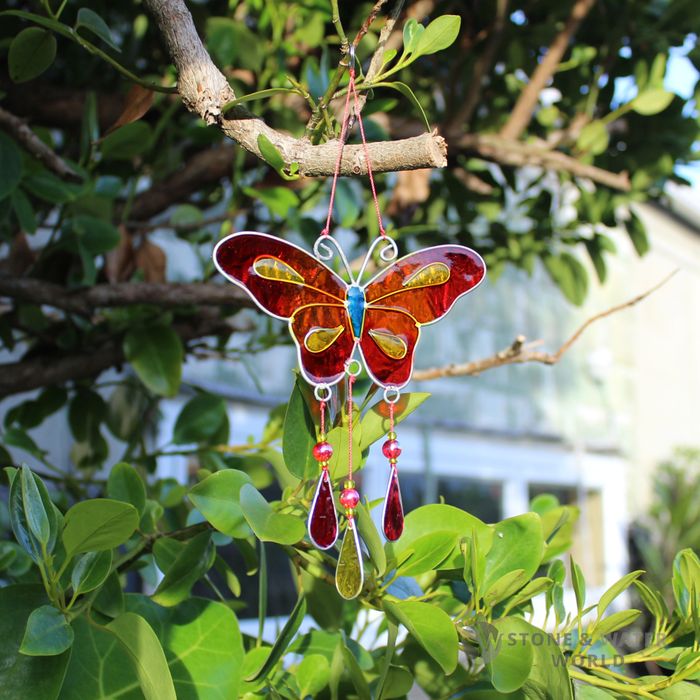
(392, 518)
(323, 519)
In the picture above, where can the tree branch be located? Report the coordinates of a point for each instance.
(520, 352)
(526, 103)
(205, 91)
(84, 301)
(505, 151)
(54, 369)
(20, 130)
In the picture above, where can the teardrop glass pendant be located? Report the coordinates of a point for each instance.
(323, 519)
(349, 573)
(392, 517)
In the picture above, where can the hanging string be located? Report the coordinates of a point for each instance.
(391, 417)
(323, 420)
(351, 381)
(345, 127)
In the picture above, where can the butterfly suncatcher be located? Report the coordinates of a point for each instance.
(337, 322)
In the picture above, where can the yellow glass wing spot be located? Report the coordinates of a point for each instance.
(274, 269)
(320, 339)
(391, 345)
(428, 276)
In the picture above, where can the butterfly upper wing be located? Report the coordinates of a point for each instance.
(280, 276)
(427, 283)
(413, 291)
(389, 338)
(287, 282)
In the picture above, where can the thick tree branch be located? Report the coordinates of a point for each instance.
(85, 301)
(55, 369)
(205, 91)
(520, 352)
(20, 130)
(526, 103)
(516, 153)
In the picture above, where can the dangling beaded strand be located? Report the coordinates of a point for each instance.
(323, 519)
(392, 517)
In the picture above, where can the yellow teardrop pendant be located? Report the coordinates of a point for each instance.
(349, 573)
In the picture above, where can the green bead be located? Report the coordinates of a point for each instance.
(349, 484)
(391, 435)
(349, 574)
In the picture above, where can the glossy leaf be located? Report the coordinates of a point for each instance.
(217, 498)
(299, 436)
(156, 355)
(23, 676)
(425, 553)
(312, 675)
(11, 171)
(47, 633)
(268, 525)
(124, 484)
(127, 141)
(202, 418)
(613, 622)
(616, 589)
(90, 571)
(508, 656)
(652, 101)
(90, 20)
(431, 627)
(34, 509)
(98, 524)
(438, 35)
(31, 53)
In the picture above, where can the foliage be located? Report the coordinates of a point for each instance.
(440, 607)
(672, 522)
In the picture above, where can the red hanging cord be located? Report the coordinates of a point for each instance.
(351, 381)
(345, 126)
(323, 419)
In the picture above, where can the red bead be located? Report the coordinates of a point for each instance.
(392, 519)
(323, 520)
(391, 449)
(323, 451)
(349, 498)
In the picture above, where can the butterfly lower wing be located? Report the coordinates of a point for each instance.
(389, 338)
(427, 283)
(279, 276)
(324, 340)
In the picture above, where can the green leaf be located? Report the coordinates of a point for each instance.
(231, 42)
(141, 644)
(125, 411)
(652, 101)
(156, 355)
(370, 536)
(50, 188)
(431, 627)
(31, 52)
(269, 152)
(191, 564)
(357, 677)
(686, 581)
(268, 525)
(517, 544)
(505, 586)
(299, 436)
(569, 275)
(425, 553)
(312, 675)
(375, 422)
(406, 91)
(124, 484)
(412, 32)
(532, 589)
(259, 95)
(616, 589)
(282, 642)
(508, 655)
(637, 232)
(24, 676)
(578, 583)
(612, 623)
(217, 498)
(202, 645)
(201, 419)
(438, 35)
(91, 21)
(127, 141)
(279, 200)
(439, 517)
(34, 508)
(47, 633)
(90, 571)
(86, 411)
(594, 138)
(98, 524)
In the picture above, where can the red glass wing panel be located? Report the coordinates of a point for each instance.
(280, 277)
(385, 330)
(327, 365)
(427, 283)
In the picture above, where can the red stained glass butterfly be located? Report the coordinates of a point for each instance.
(331, 319)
